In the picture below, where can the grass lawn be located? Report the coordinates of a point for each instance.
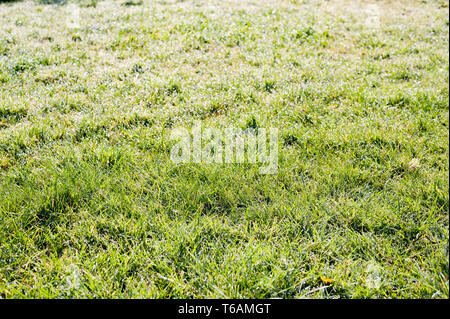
(91, 205)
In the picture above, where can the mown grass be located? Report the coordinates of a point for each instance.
(91, 206)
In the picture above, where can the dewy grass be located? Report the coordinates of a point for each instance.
(92, 206)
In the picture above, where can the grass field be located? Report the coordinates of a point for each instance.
(92, 207)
